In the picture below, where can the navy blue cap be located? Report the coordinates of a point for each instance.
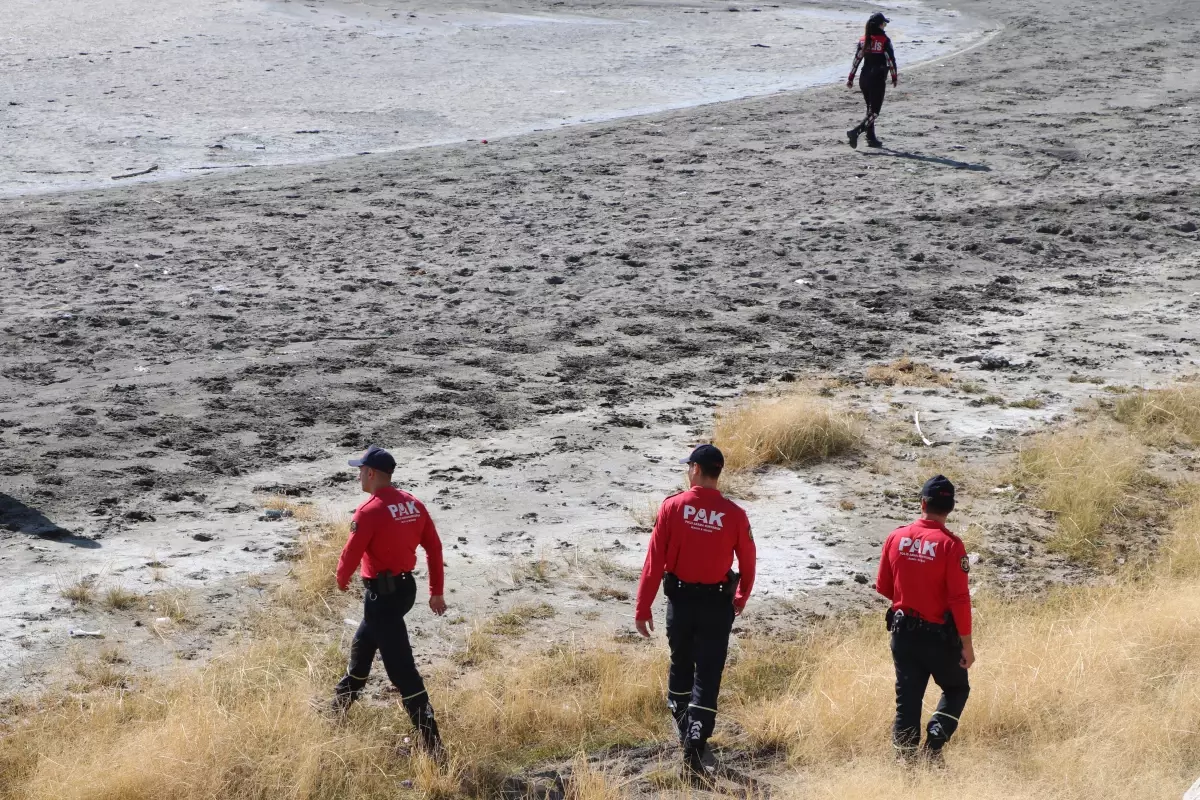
(938, 488)
(705, 455)
(376, 458)
(877, 18)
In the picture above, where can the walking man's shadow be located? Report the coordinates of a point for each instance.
(17, 517)
(940, 161)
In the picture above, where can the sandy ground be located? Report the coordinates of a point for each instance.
(92, 91)
(537, 326)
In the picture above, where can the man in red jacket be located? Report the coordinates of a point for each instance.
(695, 537)
(923, 572)
(384, 536)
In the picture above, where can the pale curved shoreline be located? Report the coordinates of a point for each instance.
(42, 158)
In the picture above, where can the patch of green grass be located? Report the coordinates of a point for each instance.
(1028, 402)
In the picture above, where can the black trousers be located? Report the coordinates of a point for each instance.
(698, 627)
(383, 630)
(874, 87)
(920, 655)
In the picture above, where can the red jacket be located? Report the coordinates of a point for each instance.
(695, 537)
(385, 534)
(924, 571)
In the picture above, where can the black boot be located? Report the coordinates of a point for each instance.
(931, 749)
(871, 140)
(852, 135)
(694, 771)
(342, 700)
(421, 714)
(679, 712)
(932, 756)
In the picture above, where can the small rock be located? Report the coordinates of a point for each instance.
(555, 280)
(1185, 227)
(860, 578)
(992, 361)
(203, 537)
(815, 565)
(139, 516)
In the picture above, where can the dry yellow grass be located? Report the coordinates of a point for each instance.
(118, 598)
(789, 429)
(1180, 557)
(1090, 693)
(80, 590)
(906, 372)
(311, 582)
(1088, 479)
(517, 618)
(1163, 416)
(1087, 693)
(644, 513)
(174, 604)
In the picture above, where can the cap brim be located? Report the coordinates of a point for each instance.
(687, 460)
(356, 462)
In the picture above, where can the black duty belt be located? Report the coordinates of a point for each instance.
(386, 583)
(672, 584)
(900, 620)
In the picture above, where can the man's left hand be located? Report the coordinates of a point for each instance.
(437, 604)
(738, 608)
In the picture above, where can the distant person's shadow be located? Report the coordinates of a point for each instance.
(17, 517)
(944, 162)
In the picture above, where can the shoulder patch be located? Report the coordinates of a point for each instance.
(353, 525)
(965, 563)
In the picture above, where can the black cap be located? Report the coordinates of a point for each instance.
(376, 458)
(706, 455)
(877, 18)
(938, 488)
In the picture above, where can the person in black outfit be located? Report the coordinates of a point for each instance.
(878, 59)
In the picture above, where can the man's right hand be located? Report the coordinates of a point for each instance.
(850, 83)
(644, 626)
(968, 653)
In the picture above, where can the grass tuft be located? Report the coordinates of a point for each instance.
(644, 513)
(1181, 552)
(1087, 479)
(118, 598)
(790, 429)
(175, 604)
(906, 372)
(1163, 416)
(81, 591)
(517, 619)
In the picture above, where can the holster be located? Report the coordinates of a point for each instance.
(889, 618)
(730, 587)
(384, 584)
(670, 585)
(951, 629)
